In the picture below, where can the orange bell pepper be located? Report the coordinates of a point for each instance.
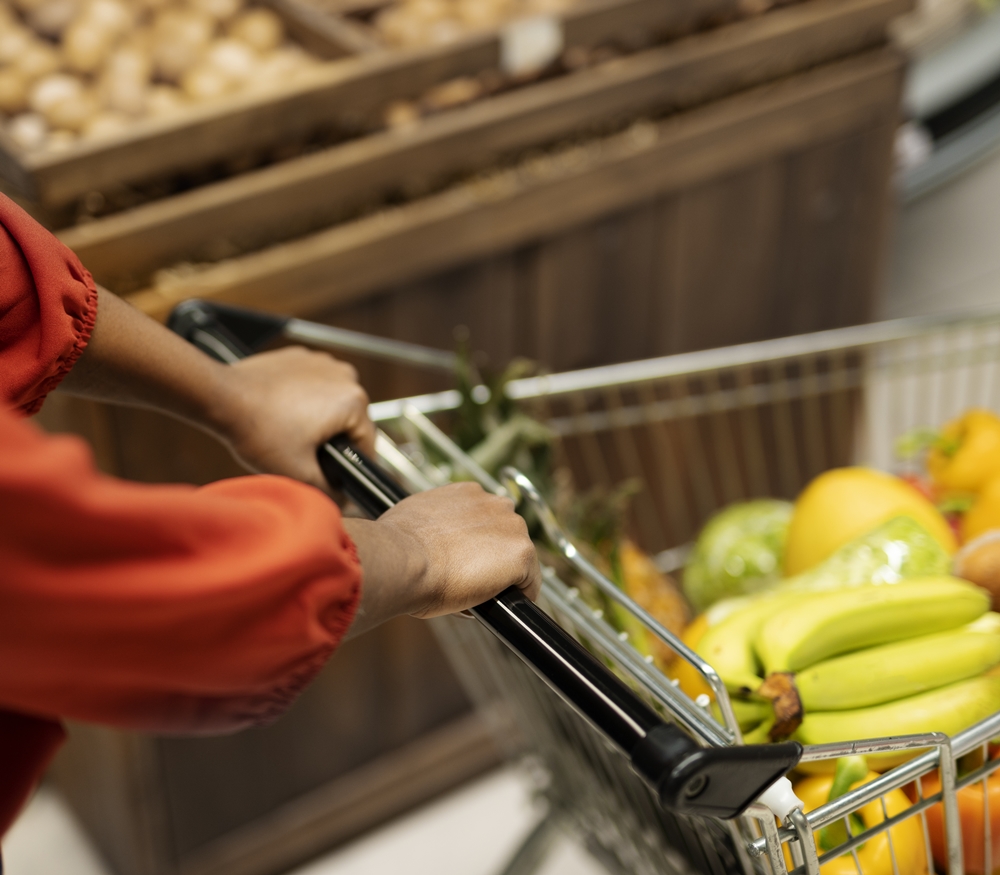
(874, 855)
(966, 453)
(971, 814)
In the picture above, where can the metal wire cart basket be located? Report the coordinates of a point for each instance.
(701, 430)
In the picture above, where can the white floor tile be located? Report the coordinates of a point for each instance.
(471, 831)
(46, 839)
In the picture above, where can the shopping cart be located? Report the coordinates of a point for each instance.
(699, 430)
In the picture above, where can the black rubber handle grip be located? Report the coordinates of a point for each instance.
(718, 781)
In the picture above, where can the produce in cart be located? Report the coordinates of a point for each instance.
(905, 840)
(844, 503)
(835, 653)
(872, 637)
(961, 469)
(976, 824)
(740, 551)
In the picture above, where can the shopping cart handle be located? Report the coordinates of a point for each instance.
(715, 781)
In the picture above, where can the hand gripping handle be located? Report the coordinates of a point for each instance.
(715, 781)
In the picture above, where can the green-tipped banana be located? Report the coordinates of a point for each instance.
(728, 644)
(905, 668)
(804, 633)
(748, 712)
(948, 709)
(760, 734)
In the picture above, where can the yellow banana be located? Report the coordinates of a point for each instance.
(805, 632)
(948, 709)
(727, 645)
(904, 668)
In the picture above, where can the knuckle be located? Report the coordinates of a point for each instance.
(360, 395)
(527, 552)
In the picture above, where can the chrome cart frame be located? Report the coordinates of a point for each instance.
(700, 430)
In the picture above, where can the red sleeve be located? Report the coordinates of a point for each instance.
(48, 303)
(169, 608)
(166, 608)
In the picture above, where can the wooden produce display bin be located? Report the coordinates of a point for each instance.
(725, 187)
(290, 199)
(337, 101)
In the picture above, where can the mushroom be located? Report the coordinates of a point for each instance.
(60, 140)
(179, 39)
(105, 124)
(277, 68)
(13, 92)
(401, 114)
(205, 82)
(28, 130)
(259, 28)
(164, 100)
(85, 45)
(52, 90)
(37, 60)
(235, 60)
(73, 114)
(13, 41)
(124, 82)
(52, 17)
(111, 16)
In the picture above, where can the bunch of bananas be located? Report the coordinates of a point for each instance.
(859, 662)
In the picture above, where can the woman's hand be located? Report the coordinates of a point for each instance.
(273, 410)
(278, 407)
(439, 552)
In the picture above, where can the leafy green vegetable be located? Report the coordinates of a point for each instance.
(739, 551)
(896, 550)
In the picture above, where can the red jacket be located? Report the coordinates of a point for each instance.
(160, 608)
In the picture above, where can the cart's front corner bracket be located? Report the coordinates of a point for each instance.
(710, 782)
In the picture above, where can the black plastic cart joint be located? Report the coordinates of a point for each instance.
(689, 779)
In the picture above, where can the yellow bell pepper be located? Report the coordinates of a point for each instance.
(984, 514)
(966, 453)
(873, 855)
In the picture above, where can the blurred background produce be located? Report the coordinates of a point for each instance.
(88, 69)
(428, 22)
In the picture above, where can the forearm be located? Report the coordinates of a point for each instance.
(133, 360)
(272, 410)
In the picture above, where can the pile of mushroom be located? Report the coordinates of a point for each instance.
(436, 22)
(86, 69)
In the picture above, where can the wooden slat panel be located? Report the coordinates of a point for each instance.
(718, 290)
(347, 262)
(299, 196)
(833, 190)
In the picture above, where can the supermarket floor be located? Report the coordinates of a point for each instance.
(471, 831)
